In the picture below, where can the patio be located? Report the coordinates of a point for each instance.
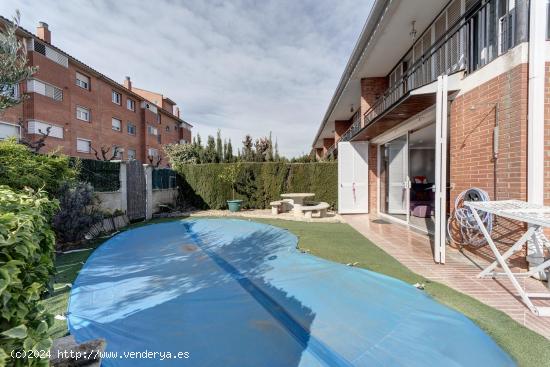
(413, 250)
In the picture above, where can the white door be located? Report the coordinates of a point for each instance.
(353, 177)
(398, 175)
(440, 170)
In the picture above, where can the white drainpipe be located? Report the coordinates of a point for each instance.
(535, 127)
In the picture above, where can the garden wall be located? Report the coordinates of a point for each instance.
(258, 183)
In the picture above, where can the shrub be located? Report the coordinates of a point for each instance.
(257, 183)
(19, 168)
(76, 213)
(179, 154)
(26, 266)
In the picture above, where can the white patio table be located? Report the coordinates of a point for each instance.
(298, 200)
(537, 217)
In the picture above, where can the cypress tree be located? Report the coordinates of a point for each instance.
(219, 147)
(229, 153)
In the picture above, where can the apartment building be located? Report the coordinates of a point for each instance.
(438, 97)
(88, 112)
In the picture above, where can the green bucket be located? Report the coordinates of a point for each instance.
(234, 205)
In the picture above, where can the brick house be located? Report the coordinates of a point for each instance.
(437, 97)
(87, 110)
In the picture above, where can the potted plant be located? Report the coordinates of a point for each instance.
(230, 175)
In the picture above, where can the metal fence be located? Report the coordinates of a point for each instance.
(104, 176)
(164, 178)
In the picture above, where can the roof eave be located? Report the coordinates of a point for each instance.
(373, 19)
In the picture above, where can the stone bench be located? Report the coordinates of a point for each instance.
(280, 206)
(321, 208)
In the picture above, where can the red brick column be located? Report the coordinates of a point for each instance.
(371, 90)
(327, 143)
(340, 127)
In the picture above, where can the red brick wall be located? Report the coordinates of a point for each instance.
(185, 134)
(472, 120)
(371, 90)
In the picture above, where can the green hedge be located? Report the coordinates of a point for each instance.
(26, 267)
(258, 183)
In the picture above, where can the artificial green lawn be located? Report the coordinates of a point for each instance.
(341, 243)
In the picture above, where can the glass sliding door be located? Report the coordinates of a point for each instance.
(394, 178)
(407, 178)
(422, 176)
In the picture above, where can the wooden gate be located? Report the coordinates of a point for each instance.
(136, 192)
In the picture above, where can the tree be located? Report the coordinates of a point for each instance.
(219, 147)
(181, 154)
(210, 153)
(229, 154)
(33, 142)
(105, 153)
(276, 157)
(13, 66)
(247, 151)
(229, 175)
(269, 152)
(199, 149)
(262, 149)
(154, 160)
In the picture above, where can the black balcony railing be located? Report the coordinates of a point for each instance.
(475, 39)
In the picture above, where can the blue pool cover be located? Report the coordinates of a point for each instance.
(238, 293)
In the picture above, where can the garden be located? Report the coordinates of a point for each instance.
(51, 210)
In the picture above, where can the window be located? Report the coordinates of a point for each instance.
(116, 124)
(8, 130)
(10, 91)
(152, 130)
(131, 154)
(37, 86)
(131, 104)
(38, 127)
(131, 128)
(149, 106)
(82, 81)
(167, 128)
(152, 152)
(82, 113)
(119, 152)
(83, 145)
(116, 98)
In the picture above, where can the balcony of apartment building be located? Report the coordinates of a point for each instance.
(466, 36)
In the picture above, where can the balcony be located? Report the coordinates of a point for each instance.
(478, 37)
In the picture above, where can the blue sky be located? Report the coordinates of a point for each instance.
(239, 66)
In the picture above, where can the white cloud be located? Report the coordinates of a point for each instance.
(243, 66)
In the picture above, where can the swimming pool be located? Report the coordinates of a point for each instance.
(238, 293)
